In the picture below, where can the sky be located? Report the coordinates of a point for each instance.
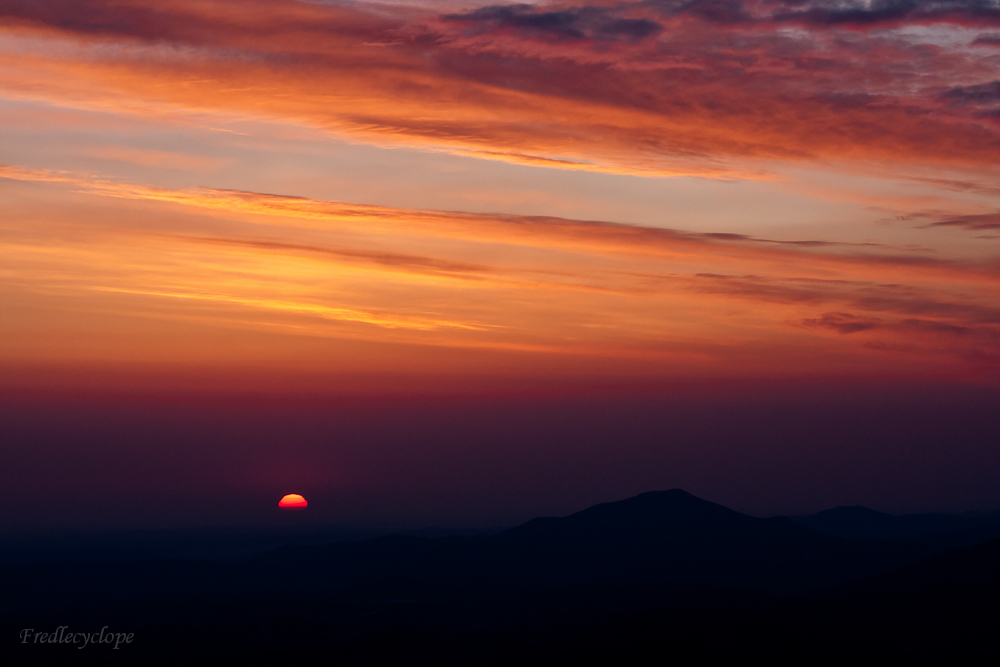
(460, 263)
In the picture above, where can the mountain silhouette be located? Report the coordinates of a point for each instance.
(657, 537)
(665, 537)
(941, 531)
(664, 552)
(673, 536)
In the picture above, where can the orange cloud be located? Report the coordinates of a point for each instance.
(678, 94)
(825, 259)
(152, 158)
(263, 266)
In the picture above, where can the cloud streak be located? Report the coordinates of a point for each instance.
(578, 236)
(981, 222)
(573, 24)
(855, 14)
(304, 268)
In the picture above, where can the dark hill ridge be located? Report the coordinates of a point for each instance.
(687, 566)
(654, 512)
(659, 537)
(673, 536)
(675, 569)
(941, 531)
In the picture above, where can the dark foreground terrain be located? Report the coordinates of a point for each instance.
(662, 574)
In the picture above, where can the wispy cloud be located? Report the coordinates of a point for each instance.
(981, 222)
(154, 158)
(970, 221)
(522, 284)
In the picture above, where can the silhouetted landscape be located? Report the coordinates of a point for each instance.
(662, 571)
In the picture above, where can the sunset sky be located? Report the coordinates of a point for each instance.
(239, 218)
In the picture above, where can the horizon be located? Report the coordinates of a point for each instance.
(196, 541)
(304, 524)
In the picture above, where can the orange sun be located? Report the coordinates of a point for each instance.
(293, 501)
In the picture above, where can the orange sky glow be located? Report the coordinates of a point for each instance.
(430, 191)
(450, 262)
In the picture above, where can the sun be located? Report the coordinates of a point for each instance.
(293, 501)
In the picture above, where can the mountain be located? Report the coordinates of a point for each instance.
(672, 536)
(666, 537)
(661, 565)
(940, 531)
(653, 538)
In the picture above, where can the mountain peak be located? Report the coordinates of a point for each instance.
(669, 502)
(657, 511)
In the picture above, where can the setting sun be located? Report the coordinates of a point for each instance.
(293, 501)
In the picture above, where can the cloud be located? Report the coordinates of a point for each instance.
(844, 13)
(977, 222)
(983, 99)
(987, 39)
(428, 264)
(374, 318)
(844, 323)
(981, 222)
(657, 89)
(573, 24)
(162, 159)
(880, 13)
(254, 264)
(978, 343)
(959, 186)
(864, 295)
(982, 94)
(194, 22)
(935, 327)
(847, 323)
(814, 259)
(725, 12)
